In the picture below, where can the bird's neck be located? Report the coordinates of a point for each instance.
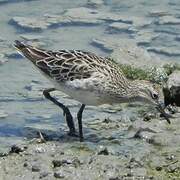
(132, 90)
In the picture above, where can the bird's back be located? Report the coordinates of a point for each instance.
(77, 70)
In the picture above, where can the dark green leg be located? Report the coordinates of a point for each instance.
(79, 117)
(66, 112)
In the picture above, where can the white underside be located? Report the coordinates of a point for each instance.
(82, 91)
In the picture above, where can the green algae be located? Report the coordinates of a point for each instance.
(170, 68)
(157, 75)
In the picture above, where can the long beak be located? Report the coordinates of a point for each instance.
(165, 115)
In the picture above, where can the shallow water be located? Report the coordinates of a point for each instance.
(22, 105)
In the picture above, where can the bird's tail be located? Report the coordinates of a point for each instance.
(19, 45)
(32, 53)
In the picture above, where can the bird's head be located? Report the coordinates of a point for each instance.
(148, 93)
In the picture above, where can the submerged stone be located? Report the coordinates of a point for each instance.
(164, 51)
(95, 3)
(3, 114)
(84, 15)
(171, 20)
(172, 91)
(121, 27)
(31, 23)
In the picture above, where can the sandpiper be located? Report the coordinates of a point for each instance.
(87, 78)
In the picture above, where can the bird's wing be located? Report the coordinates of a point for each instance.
(62, 65)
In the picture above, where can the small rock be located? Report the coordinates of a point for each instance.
(16, 149)
(59, 174)
(172, 90)
(57, 163)
(103, 151)
(25, 164)
(76, 162)
(170, 157)
(148, 116)
(158, 168)
(114, 178)
(107, 120)
(40, 150)
(172, 168)
(35, 168)
(43, 174)
(146, 134)
(172, 109)
(3, 154)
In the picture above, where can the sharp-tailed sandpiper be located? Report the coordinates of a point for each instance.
(87, 78)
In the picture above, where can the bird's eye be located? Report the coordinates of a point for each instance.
(155, 96)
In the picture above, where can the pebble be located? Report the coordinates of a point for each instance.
(158, 168)
(170, 157)
(35, 168)
(148, 116)
(25, 164)
(58, 163)
(43, 174)
(172, 168)
(103, 151)
(3, 154)
(40, 150)
(59, 174)
(17, 149)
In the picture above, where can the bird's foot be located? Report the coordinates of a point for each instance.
(81, 139)
(73, 134)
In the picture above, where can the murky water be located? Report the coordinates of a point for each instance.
(153, 25)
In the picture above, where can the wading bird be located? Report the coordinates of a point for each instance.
(87, 78)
